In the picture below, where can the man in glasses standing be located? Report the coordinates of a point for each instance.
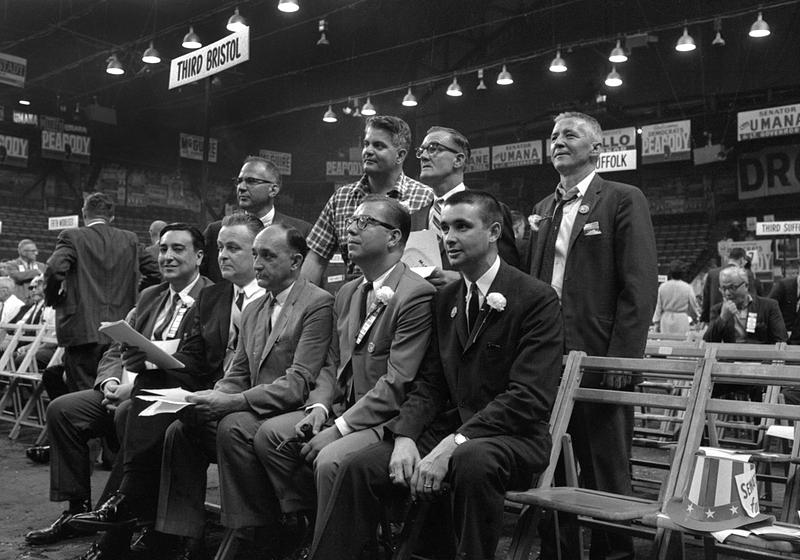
(387, 141)
(258, 183)
(443, 155)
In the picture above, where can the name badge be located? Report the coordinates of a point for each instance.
(751, 323)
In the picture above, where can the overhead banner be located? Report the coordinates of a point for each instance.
(13, 70)
(66, 146)
(13, 151)
(479, 160)
(666, 142)
(619, 150)
(778, 228)
(62, 222)
(191, 147)
(765, 123)
(344, 168)
(209, 60)
(517, 155)
(769, 172)
(282, 160)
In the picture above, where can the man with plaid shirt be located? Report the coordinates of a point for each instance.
(387, 141)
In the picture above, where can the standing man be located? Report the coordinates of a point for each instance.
(594, 244)
(258, 183)
(387, 141)
(442, 156)
(155, 236)
(383, 326)
(477, 415)
(92, 277)
(786, 293)
(24, 268)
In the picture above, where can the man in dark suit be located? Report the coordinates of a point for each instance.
(443, 154)
(785, 293)
(24, 268)
(711, 294)
(257, 185)
(375, 358)
(593, 241)
(477, 415)
(92, 277)
(283, 343)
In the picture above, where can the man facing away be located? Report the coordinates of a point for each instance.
(477, 415)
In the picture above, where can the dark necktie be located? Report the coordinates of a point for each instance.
(236, 319)
(172, 305)
(549, 255)
(367, 288)
(435, 217)
(240, 299)
(473, 307)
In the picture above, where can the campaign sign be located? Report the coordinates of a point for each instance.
(480, 160)
(13, 151)
(191, 147)
(666, 142)
(517, 155)
(773, 121)
(65, 146)
(282, 160)
(211, 59)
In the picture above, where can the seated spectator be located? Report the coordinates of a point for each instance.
(24, 268)
(37, 313)
(9, 303)
(711, 294)
(785, 292)
(676, 303)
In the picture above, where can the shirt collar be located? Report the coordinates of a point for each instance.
(250, 290)
(458, 188)
(485, 281)
(378, 282)
(281, 298)
(267, 218)
(399, 186)
(583, 184)
(95, 221)
(186, 299)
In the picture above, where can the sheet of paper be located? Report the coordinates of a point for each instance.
(725, 454)
(785, 432)
(422, 249)
(423, 271)
(776, 531)
(173, 394)
(720, 536)
(122, 332)
(163, 407)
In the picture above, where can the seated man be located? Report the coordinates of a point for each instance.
(9, 303)
(477, 415)
(383, 325)
(283, 343)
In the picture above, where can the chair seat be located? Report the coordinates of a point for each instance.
(591, 503)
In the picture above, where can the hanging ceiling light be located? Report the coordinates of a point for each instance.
(410, 100)
(191, 40)
(718, 40)
(368, 109)
(454, 90)
(481, 84)
(150, 55)
(618, 55)
(685, 42)
(760, 28)
(24, 101)
(289, 6)
(330, 116)
(613, 79)
(114, 66)
(236, 22)
(323, 27)
(557, 65)
(504, 77)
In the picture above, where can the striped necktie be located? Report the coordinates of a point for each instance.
(435, 217)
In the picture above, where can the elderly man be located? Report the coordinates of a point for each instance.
(24, 268)
(257, 185)
(383, 325)
(443, 154)
(387, 141)
(477, 415)
(9, 303)
(283, 343)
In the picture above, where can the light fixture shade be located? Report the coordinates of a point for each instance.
(330, 116)
(481, 84)
(114, 66)
(504, 77)
(150, 55)
(618, 54)
(760, 28)
(718, 40)
(410, 100)
(191, 40)
(236, 22)
(685, 42)
(323, 40)
(24, 101)
(288, 6)
(368, 109)
(454, 90)
(557, 65)
(613, 79)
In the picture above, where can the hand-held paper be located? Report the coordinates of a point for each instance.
(422, 249)
(123, 333)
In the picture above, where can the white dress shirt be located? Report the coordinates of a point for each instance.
(570, 211)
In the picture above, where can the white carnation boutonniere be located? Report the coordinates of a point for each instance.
(384, 295)
(534, 221)
(187, 301)
(496, 301)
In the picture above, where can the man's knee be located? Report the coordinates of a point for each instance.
(233, 431)
(472, 464)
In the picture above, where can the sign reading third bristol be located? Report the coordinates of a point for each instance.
(209, 60)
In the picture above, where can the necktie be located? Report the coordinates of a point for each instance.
(367, 288)
(549, 255)
(270, 310)
(240, 299)
(166, 319)
(435, 217)
(473, 307)
(236, 321)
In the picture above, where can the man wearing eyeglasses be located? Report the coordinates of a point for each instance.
(387, 141)
(443, 155)
(383, 324)
(24, 268)
(257, 185)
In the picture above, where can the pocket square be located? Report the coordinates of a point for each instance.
(592, 232)
(592, 228)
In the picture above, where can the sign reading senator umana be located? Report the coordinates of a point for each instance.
(769, 172)
(13, 70)
(517, 155)
(773, 121)
(211, 59)
(13, 151)
(669, 141)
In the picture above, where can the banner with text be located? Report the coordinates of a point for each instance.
(517, 155)
(760, 253)
(479, 160)
(13, 151)
(669, 141)
(209, 60)
(769, 172)
(354, 169)
(778, 228)
(282, 160)
(191, 147)
(773, 121)
(66, 146)
(618, 151)
(12, 70)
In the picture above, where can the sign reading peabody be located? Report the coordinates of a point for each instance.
(66, 146)
(517, 155)
(13, 151)
(209, 60)
(774, 121)
(666, 142)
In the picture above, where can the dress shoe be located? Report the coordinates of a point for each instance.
(56, 532)
(39, 454)
(112, 514)
(97, 553)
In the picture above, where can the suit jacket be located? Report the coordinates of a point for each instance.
(275, 372)
(611, 279)
(500, 379)
(143, 318)
(210, 266)
(377, 372)
(785, 293)
(92, 277)
(712, 296)
(769, 324)
(18, 270)
(506, 245)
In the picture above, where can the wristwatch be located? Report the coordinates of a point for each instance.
(460, 438)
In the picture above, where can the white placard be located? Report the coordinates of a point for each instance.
(517, 155)
(191, 147)
(62, 222)
(12, 70)
(479, 160)
(211, 59)
(619, 139)
(282, 160)
(624, 160)
(66, 147)
(778, 228)
(669, 141)
(13, 151)
(772, 121)
(769, 172)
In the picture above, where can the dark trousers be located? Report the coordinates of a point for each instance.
(80, 363)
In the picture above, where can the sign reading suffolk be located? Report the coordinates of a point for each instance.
(765, 123)
(619, 150)
(211, 59)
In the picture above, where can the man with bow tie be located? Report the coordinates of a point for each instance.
(383, 325)
(477, 415)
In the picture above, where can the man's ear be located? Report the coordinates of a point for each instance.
(460, 161)
(494, 231)
(597, 147)
(297, 261)
(401, 155)
(200, 256)
(274, 190)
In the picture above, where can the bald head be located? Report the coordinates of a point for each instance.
(155, 230)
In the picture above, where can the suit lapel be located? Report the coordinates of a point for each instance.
(487, 315)
(391, 282)
(590, 200)
(224, 315)
(460, 317)
(283, 318)
(149, 321)
(547, 208)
